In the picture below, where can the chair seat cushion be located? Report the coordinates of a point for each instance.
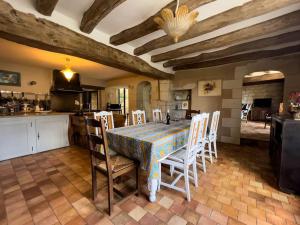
(118, 163)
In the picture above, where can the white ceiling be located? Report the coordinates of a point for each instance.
(133, 12)
(21, 54)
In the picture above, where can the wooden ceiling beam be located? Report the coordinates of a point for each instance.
(98, 10)
(254, 31)
(242, 57)
(45, 7)
(39, 33)
(248, 46)
(149, 26)
(248, 10)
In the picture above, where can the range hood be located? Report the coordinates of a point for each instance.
(61, 85)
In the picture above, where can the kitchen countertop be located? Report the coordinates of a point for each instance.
(22, 114)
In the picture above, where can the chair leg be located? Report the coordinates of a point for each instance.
(195, 173)
(94, 184)
(138, 180)
(171, 170)
(159, 176)
(215, 148)
(203, 161)
(210, 151)
(187, 184)
(110, 195)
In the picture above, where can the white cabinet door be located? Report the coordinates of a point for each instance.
(52, 132)
(17, 137)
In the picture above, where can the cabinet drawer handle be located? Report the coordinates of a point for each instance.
(38, 135)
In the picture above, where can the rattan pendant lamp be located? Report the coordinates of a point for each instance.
(176, 25)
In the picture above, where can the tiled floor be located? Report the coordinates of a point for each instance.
(255, 130)
(54, 188)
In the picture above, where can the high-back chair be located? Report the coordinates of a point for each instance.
(245, 112)
(157, 115)
(201, 141)
(138, 117)
(107, 117)
(111, 166)
(181, 160)
(212, 135)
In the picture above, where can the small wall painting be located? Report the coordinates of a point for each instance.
(185, 105)
(10, 78)
(209, 88)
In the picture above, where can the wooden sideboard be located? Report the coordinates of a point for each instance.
(285, 152)
(77, 132)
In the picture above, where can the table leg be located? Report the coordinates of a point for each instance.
(152, 186)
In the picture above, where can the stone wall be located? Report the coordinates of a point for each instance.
(272, 90)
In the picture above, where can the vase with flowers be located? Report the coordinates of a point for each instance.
(294, 107)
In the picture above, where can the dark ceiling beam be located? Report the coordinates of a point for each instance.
(98, 10)
(254, 31)
(248, 46)
(149, 26)
(45, 7)
(248, 10)
(241, 57)
(39, 33)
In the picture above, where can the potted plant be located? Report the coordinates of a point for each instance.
(294, 107)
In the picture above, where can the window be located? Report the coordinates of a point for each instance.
(123, 99)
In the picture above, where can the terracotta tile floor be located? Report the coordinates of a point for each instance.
(54, 188)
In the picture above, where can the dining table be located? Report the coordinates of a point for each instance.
(148, 143)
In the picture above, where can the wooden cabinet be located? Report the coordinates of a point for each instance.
(285, 153)
(26, 135)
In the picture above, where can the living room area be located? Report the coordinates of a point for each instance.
(262, 96)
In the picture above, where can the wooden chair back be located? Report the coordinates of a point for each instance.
(157, 115)
(214, 123)
(138, 117)
(108, 119)
(189, 114)
(96, 141)
(196, 131)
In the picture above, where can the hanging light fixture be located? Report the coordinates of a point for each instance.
(178, 24)
(68, 72)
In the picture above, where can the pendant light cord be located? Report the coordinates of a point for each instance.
(177, 6)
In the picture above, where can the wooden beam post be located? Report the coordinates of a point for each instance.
(248, 10)
(28, 30)
(45, 7)
(242, 57)
(98, 10)
(149, 26)
(254, 31)
(248, 46)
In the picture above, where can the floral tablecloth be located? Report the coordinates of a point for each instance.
(149, 142)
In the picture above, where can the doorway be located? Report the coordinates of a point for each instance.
(144, 97)
(262, 96)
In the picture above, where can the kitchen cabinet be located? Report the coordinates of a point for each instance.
(24, 135)
(17, 137)
(51, 132)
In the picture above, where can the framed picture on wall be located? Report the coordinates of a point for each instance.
(209, 88)
(10, 78)
(185, 105)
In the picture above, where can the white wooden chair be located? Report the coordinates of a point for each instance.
(157, 115)
(201, 142)
(107, 117)
(183, 158)
(138, 117)
(245, 112)
(212, 136)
